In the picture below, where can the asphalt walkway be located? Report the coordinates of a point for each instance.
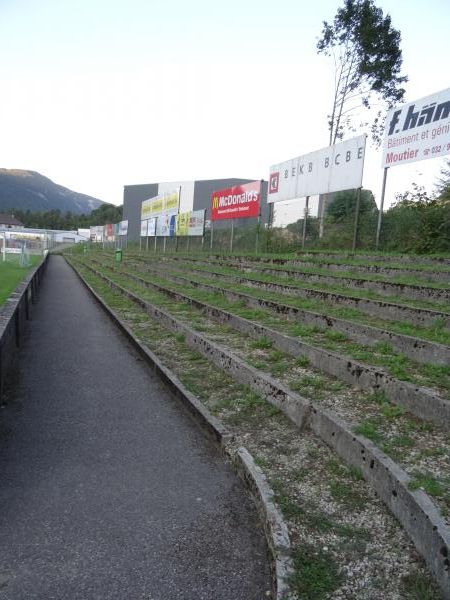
(108, 490)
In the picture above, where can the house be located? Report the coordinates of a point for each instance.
(10, 222)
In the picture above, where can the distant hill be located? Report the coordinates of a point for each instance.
(28, 190)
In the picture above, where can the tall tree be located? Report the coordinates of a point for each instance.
(367, 62)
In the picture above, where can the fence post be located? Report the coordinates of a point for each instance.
(383, 190)
(304, 222)
(355, 229)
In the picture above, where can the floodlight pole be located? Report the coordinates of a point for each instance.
(383, 190)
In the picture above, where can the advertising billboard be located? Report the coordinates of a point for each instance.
(151, 227)
(109, 232)
(418, 130)
(236, 202)
(165, 225)
(148, 227)
(190, 223)
(331, 169)
(123, 228)
(182, 227)
(197, 222)
(167, 202)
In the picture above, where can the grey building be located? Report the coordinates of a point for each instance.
(195, 195)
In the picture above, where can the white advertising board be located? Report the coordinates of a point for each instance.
(190, 223)
(144, 228)
(99, 233)
(197, 222)
(331, 169)
(165, 225)
(151, 227)
(123, 228)
(186, 192)
(418, 130)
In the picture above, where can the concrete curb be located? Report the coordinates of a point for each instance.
(415, 348)
(414, 509)
(275, 529)
(419, 401)
(377, 308)
(14, 314)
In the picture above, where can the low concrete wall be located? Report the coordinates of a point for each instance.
(385, 288)
(408, 258)
(426, 275)
(13, 317)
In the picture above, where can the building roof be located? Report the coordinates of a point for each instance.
(9, 220)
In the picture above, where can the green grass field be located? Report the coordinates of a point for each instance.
(11, 274)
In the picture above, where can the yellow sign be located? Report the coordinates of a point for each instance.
(163, 203)
(171, 202)
(183, 224)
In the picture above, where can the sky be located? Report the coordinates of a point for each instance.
(98, 94)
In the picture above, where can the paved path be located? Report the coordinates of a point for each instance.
(107, 489)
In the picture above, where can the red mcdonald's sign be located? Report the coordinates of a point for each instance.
(236, 202)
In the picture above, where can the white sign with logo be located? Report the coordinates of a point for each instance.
(151, 227)
(197, 222)
(148, 227)
(123, 227)
(418, 130)
(335, 168)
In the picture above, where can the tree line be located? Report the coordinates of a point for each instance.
(55, 219)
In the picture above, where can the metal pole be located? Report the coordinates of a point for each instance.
(212, 235)
(257, 234)
(355, 230)
(322, 202)
(269, 225)
(187, 244)
(304, 222)
(164, 245)
(383, 190)
(232, 235)
(156, 241)
(146, 244)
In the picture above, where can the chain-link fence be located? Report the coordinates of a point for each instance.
(349, 224)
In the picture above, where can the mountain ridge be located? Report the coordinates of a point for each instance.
(22, 189)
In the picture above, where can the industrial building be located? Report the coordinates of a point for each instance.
(194, 195)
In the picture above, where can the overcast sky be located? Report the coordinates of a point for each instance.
(97, 94)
